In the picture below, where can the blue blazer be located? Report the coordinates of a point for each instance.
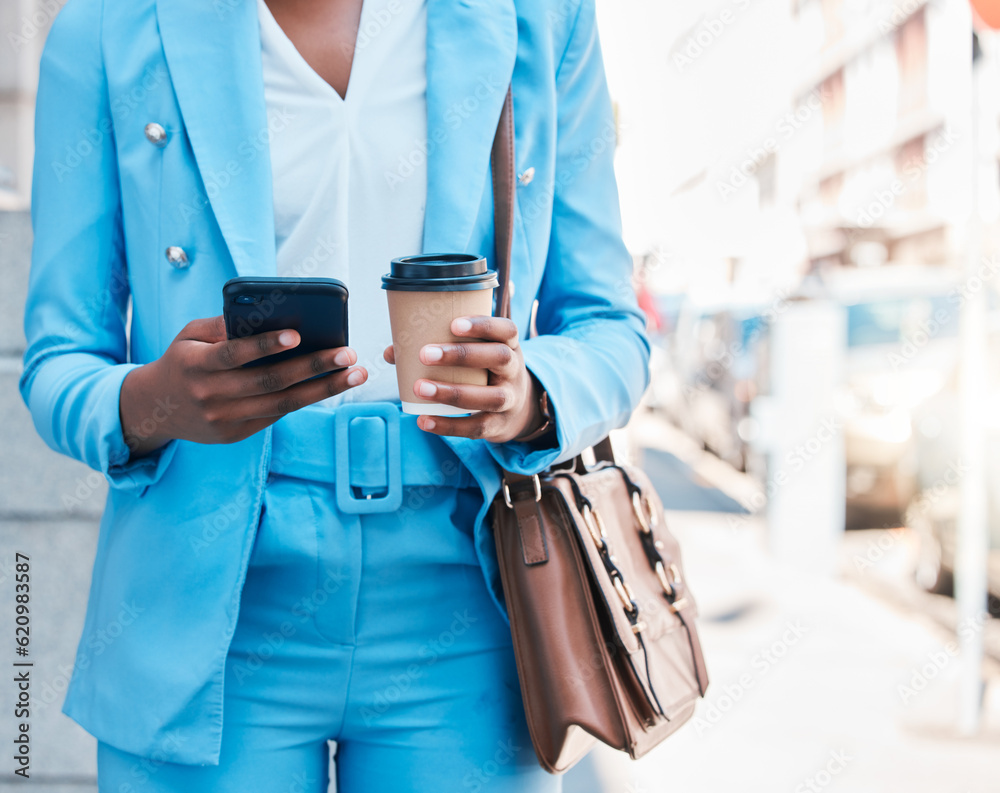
(179, 525)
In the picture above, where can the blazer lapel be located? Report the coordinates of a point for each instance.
(213, 54)
(471, 48)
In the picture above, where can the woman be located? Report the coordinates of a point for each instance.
(243, 611)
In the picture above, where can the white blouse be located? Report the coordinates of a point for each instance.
(350, 175)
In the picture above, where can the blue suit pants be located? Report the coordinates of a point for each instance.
(375, 631)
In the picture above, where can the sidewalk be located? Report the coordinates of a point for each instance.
(814, 687)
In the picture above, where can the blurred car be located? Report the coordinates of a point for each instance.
(901, 348)
(934, 509)
(902, 344)
(710, 370)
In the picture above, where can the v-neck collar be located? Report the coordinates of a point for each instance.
(275, 34)
(471, 49)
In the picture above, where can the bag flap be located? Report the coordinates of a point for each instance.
(644, 601)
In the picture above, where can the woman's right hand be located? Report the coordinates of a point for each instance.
(198, 390)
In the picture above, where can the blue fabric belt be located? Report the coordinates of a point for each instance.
(369, 450)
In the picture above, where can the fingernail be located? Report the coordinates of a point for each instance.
(355, 377)
(286, 338)
(462, 325)
(342, 358)
(433, 353)
(426, 389)
(428, 424)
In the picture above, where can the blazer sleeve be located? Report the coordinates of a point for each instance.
(77, 353)
(591, 353)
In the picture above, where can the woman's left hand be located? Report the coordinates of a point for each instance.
(508, 404)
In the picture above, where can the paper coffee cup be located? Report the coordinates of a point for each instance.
(425, 294)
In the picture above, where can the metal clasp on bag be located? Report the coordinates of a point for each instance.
(595, 525)
(625, 594)
(643, 512)
(506, 490)
(670, 586)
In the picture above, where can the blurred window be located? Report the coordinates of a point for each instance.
(833, 21)
(829, 189)
(871, 90)
(896, 321)
(834, 102)
(911, 170)
(911, 52)
(766, 181)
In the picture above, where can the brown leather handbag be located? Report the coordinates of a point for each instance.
(601, 618)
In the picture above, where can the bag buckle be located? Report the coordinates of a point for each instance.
(506, 491)
(392, 499)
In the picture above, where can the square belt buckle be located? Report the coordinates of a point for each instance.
(392, 499)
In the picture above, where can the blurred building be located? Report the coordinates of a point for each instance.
(49, 504)
(886, 167)
(799, 135)
(774, 148)
(24, 25)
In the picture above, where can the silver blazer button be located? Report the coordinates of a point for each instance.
(177, 257)
(156, 135)
(526, 177)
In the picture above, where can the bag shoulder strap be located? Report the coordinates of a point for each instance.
(502, 169)
(502, 166)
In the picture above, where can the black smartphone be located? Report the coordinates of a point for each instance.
(315, 307)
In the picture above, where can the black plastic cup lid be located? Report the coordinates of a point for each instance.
(439, 272)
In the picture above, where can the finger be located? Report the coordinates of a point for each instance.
(487, 329)
(275, 377)
(491, 398)
(233, 353)
(496, 357)
(210, 330)
(301, 395)
(389, 354)
(480, 426)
